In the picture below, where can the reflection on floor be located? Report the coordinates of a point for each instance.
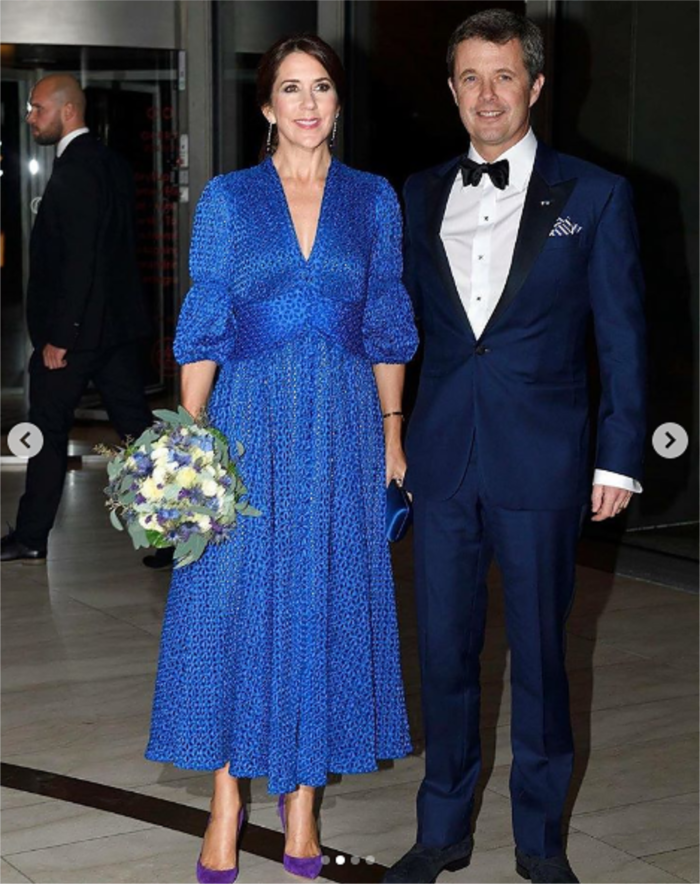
(79, 647)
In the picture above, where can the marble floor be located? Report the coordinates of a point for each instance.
(79, 646)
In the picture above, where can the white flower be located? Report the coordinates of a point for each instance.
(160, 455)
(150, 490)
(187, 477)
(209, 487)
(203, 521)
(149, 521)
(202, 457)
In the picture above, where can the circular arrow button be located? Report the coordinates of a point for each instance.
(25, 440)
(670, 440)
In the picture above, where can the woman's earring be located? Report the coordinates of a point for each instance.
(334, 133)
(268, 146)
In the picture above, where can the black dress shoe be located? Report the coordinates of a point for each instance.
(161, 559)
(550, 870)
(11, 550)
(422, 865)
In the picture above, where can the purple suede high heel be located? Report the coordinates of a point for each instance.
(220, 876)
(304, 866)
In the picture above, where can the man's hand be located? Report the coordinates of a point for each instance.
(607, 502)
(54, 357)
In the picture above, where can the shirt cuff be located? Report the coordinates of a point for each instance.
(616, 480)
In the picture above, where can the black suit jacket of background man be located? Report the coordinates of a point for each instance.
(84, 289)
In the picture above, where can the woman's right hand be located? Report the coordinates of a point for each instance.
(196, 381)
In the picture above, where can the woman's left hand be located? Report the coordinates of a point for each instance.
(395, 463)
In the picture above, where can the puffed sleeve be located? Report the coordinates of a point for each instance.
(206, 327)
(389, 331)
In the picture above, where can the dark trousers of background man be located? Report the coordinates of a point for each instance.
(54, 395)
(455, 541)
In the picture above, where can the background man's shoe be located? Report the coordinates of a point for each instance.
(552, 870)
(161, 559)
(11, 550)
(421, 865)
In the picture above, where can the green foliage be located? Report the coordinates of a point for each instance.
(156, 539)
(178, 418)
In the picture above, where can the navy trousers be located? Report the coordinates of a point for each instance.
(455, 541)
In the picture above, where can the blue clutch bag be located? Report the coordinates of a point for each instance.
(399, 512)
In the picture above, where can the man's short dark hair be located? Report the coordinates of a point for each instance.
(500, 26)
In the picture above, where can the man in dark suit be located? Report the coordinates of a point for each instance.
(85, 307)
(512, 250)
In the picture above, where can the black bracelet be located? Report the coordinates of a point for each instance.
(392, 414)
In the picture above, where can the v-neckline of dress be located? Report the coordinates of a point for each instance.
(290, 220)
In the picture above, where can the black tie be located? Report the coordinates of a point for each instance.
(472, 172)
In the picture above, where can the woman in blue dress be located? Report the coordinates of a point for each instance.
(279, 653)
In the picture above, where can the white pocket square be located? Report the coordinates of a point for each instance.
(565, 227)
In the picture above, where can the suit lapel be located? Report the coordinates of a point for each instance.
(544, 201)
(440, 188)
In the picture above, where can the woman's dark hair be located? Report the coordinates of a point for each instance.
(270, 64)
(500, 26)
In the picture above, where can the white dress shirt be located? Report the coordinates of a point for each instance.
(66, 140)
(479, 232)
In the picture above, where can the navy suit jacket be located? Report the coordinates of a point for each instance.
(521, 388)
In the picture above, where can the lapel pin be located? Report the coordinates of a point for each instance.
(546, 203)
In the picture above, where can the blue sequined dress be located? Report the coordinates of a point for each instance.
(279, 652)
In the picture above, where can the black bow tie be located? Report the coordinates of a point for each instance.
(472, 172)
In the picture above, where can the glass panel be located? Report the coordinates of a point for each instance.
(13, 353)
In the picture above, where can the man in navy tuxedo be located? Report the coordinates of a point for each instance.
(512, 251)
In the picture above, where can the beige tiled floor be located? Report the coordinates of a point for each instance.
(80, 639)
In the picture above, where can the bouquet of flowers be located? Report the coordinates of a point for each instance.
(176, 485)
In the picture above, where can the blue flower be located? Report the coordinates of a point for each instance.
(143, 462)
